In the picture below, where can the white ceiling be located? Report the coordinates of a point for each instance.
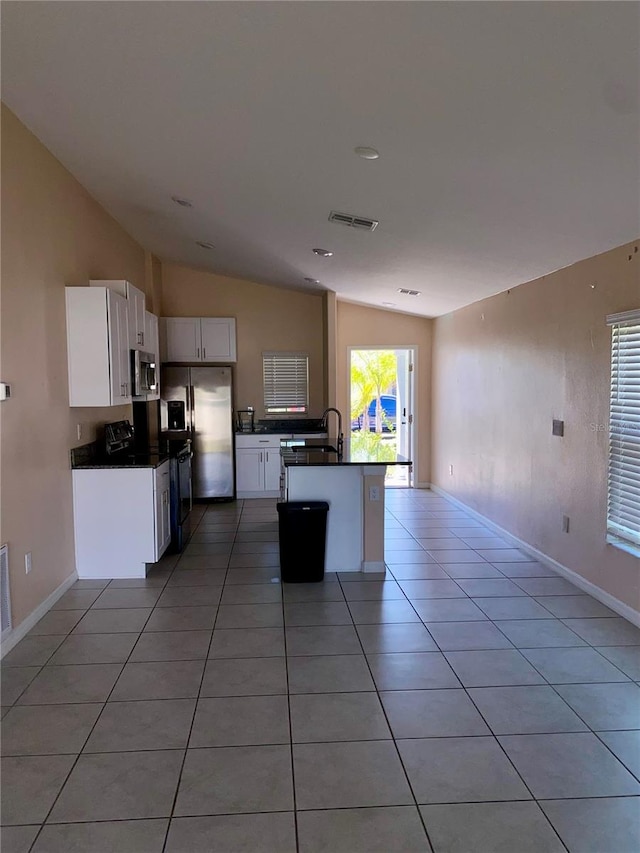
(508, 134)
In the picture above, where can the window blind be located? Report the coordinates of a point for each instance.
(623, 516)
(286, 382)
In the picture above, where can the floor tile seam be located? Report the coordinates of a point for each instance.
(590, 729)
(40, 668)
(596, 645)
(193, 718)
(496, 621)
(333, 808)
(515, 769)
(386, 717)
(66, 779)
(291, 758)
(91, 730)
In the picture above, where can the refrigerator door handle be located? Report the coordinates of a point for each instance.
(193, 408)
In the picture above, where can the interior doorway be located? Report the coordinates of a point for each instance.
(381, 405)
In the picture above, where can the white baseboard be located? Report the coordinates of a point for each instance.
(597, 592)
(14, 636)
(422, 485)
(373, 566)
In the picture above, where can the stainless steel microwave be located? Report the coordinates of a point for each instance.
(144, 374)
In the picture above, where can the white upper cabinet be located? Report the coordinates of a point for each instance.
(218, 338)
(182, 338)
(97, 347)
(136, 308)
(199, 339)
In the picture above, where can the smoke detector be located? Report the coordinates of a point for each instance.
(352, 221)
(324, 253)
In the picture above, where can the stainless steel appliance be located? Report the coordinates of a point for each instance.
(181, 498)
(143, 373)
(196, 403)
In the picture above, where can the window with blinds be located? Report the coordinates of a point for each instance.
(623, 516)
(286, 382)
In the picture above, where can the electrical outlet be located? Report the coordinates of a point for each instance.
(565, 523)
(374, 493)
(27, 562)
(451, 470)
(79, 431)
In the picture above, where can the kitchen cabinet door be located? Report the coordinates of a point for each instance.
(162, 509)
(249, 470)
(218, 339)
(135, 308)
(137, 331)
(97, 347)
(118, 314)
(272, 470)
(182, 339)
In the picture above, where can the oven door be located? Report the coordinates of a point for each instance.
(185, 496)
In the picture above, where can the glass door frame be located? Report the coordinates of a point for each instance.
(412, 418)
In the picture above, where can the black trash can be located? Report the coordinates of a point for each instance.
(303, 534)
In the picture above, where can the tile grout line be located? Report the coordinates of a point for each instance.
(77, 759)
(393, 739)
(172, 814)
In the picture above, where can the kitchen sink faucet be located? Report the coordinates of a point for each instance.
(340, 434)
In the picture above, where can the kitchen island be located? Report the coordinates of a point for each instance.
(352, 482)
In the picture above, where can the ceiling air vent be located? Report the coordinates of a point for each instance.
(409, 292)
(352, 221)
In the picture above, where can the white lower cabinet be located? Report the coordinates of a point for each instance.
(258, 463)
(122, 520)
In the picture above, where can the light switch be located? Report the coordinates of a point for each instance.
(5, 391)
(374, 493)
(558, 427)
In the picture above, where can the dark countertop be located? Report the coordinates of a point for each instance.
(351, 455)
(286, 426)
(92, 455)
(137, 460)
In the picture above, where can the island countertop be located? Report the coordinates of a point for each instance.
(310, 455)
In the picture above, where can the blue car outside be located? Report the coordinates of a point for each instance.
(388, 404)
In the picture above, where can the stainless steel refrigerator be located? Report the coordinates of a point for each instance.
(196, 403)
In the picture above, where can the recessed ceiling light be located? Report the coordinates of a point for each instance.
(204, 244)
(183, 202)
(389, 304)
(324, 253)
(409, 292)
(366, 153)
(312, 280)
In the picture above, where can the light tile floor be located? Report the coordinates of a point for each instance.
(469, 701)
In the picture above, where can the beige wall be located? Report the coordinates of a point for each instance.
(53, 234)
(267, 319)
(503, 368)
(359, 326)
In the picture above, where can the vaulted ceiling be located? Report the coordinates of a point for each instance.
(508, 134)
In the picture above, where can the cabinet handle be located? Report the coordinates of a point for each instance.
(261, 456)
(198, 352)
(267, 455)
(204, 353)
